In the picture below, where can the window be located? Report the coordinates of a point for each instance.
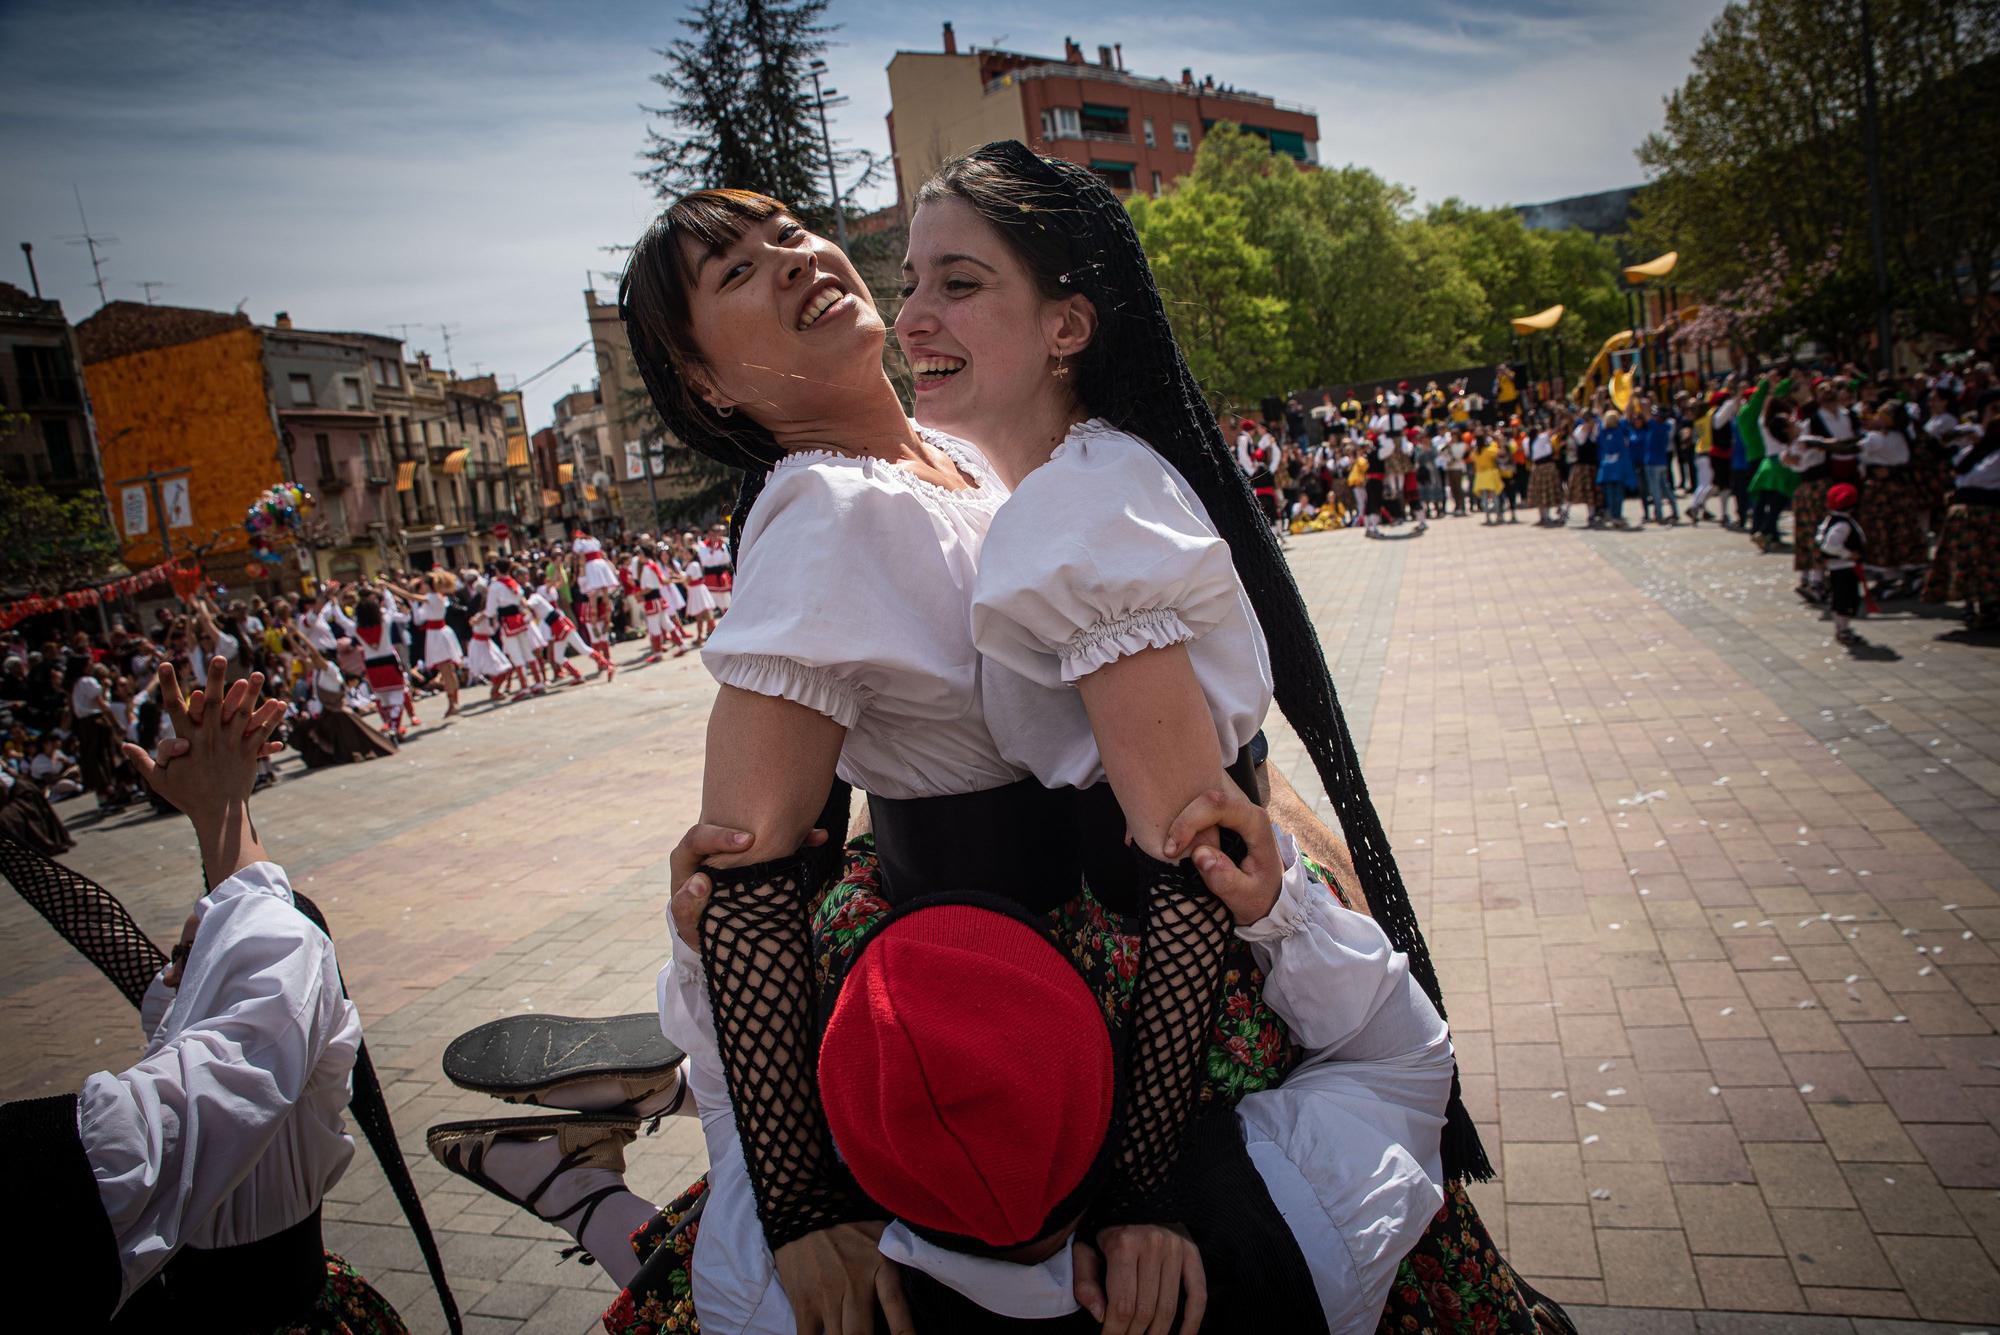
(62, 455)
(1149, 133)
(302, 390)
(511, 410)
(1117, 175)
(1100, 121)
(350, 391)
(1061, 123)
(1182, 140)
(323, 447)
(1156, 185)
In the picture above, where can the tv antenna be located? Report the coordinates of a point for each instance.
(92, 242)
(445, 331)
(147, 285)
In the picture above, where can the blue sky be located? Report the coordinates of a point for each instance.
(364, 165)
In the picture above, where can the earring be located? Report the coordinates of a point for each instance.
(1062, 369)
(724, 410)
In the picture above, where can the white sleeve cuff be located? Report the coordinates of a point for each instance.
(1108, 641)
(1290, 913)
(818, 689)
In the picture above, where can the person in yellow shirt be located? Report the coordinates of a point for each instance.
(1486, 481)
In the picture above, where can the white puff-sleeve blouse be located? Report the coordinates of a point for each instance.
(1102, 552)
(852, 597)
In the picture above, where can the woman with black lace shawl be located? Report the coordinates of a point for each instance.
(754, 932)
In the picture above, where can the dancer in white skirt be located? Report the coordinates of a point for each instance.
(483, 657)
(718, 565)
(504, 604)
(596, 585)
(701, 605)
(380, 666)
(657, 595)
(441, 649)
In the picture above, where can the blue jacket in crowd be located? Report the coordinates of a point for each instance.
(1616, 458)
(1654, 442)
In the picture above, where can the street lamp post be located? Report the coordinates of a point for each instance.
(820, 96)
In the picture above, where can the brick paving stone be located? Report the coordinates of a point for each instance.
(1833, 1248)
(1729, 1220)
(1962, 1156)
(1748, 1283)
(1802, 1176)
(1948, 1279)
(1903, 1198)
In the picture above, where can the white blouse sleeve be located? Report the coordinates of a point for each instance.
(837, 591)
(1350, 1144)
(1100, 553)
(171, 1137)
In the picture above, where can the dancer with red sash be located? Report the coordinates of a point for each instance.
(656, 592)
(380, 666)
(504, 605)
(596, 583)
(718, 566)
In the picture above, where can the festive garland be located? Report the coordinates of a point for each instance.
(12, 614)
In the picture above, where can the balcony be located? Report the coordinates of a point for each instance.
(50, 391)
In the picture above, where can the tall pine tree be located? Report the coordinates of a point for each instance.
(739, 112)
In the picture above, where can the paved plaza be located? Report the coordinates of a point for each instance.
(1711, 900)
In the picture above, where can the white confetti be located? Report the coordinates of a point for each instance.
(1595, 1106)
(1807, 1089)
(1604, 1066)
(1601, 1194)
(1592, 1140)
(1728, 1010)
(1559, 1094)
(1617, 1091)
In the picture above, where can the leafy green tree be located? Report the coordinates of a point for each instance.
(49, 543)
(1759, 179)
(1218, 290)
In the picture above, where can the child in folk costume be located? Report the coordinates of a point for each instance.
(657, 596)
(504, 606)
(1841, 543)
(702, 607)
(597, 584)
(380, 666)
(718, 566)
(484, 659)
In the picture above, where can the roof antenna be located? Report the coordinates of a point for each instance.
(93, 242)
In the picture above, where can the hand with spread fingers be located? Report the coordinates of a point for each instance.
(207, 776)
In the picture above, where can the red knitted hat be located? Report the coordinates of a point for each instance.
(967, 1074)
(1842, 496)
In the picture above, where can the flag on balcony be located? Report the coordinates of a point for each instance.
(406, 476)
(455, 461)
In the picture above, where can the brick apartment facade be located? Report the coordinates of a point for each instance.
(1138, 133)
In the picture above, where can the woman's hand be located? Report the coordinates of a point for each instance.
(1248, 890)
(691, 887)
(1145, 1275)
(836, 1278)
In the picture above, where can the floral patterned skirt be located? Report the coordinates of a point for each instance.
(1545, 487)
(1583, 488)
(1967, 566)
(1454, 1282)
(348, 1305)
(1808, 508)
(1892, 513)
